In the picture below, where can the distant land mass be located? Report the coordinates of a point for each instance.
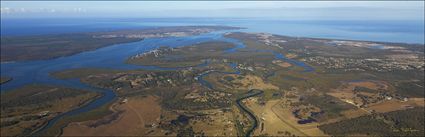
(24, 48)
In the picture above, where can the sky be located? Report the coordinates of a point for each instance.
(290, 10)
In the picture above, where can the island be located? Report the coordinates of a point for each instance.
(25, 48)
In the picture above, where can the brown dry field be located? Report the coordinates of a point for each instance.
(393, 105)
(368, 84)
(345, 96)
(349, 86)
(382, 107)
(353, 113)
(245, 83)
(277, 118)
(286, 115)
(253, 82)
(137, 112)
(403, 56)
(282, 64)
(291, 55)
(220, 124)
(345, 91)
(347, 114)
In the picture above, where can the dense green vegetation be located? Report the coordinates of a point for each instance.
(364, 89)
(411, 88)
(404, 83)
(328, 104)
(362, 125)
(398, 123)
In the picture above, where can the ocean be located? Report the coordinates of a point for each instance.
(368, 30)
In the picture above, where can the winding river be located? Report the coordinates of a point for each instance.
(112, 57)
(251, 93)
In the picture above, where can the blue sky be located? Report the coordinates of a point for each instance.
(303, 10)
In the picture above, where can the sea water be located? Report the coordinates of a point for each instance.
(411, 31)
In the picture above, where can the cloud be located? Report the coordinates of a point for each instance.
(377, 10)
(31, 11)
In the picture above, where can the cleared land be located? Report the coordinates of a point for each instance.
(216, 123)
(132, 116)
(270, 123)
(394, 105)
(285, 114)
(238, 82)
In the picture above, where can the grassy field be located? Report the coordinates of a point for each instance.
(270, 123)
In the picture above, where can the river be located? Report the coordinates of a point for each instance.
(251, 93)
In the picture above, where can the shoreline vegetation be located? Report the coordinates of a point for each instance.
(98, 113)
(63, 45)
(4, 80)
(27, 48)
(26, 109)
